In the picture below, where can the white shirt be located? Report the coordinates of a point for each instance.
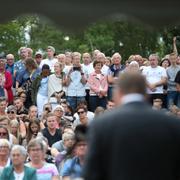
(19, 176)
(105, 70)
(50, 62)
(90, 116)
(133, 97)
(154, 75)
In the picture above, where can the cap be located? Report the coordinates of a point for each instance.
(38, 53)
(51, 47)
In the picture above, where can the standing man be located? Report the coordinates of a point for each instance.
(133, 141)
(173, 96)
(38, 57)
(51, 60)
(75, 82)
(156, 77)
(10, 63)
(20, 65)
(10, 68)
(88, 69)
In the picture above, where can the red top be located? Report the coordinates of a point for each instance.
(8, 86)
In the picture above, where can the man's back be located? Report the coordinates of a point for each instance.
(134, 142)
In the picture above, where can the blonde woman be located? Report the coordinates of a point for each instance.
(14, 128)
(56, 82)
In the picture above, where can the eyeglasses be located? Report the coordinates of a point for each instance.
(10, 112)
(5, 147)
(80, 112)
(3, 133)
(38, 56)
(36, 149)
(58, 110)
(23, 97)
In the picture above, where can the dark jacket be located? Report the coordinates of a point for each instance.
(8, 173)
(35, 87)
(134, 142)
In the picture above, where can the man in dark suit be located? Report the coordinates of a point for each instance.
(133, 142)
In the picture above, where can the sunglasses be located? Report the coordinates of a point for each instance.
(38, 56)
(3, 134)
(10, 112)
(80, 112)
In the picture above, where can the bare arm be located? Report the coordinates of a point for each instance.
(159, 83)
(54, 152)
(55, 178)
(174, 46)
(83, 79)
(22, 128)
(66, 178)
(110, 79)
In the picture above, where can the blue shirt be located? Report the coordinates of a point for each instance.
(72, 168)
(19, 66)
(24, 75)
(43, 89)
(11, 70)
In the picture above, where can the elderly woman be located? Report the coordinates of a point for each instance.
(6, 81)
(18, 170)
(45, 171)
(4, 151)
(56, 83)
(58, 112)
(63, 145)
(60, 150)
(98, 87)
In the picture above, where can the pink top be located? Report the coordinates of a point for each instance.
(97, 82)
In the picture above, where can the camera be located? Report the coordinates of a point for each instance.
(47, 109)
(75, 68)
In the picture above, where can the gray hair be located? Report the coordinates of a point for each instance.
(68, 135)
(5, 142)
(20, 148)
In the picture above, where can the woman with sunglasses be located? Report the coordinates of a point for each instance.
(12, 115)
(4, 150)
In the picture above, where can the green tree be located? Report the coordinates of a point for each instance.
(11, 37)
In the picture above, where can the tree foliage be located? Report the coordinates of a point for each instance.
(121, 36)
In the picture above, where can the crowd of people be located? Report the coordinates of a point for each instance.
(46, 105)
